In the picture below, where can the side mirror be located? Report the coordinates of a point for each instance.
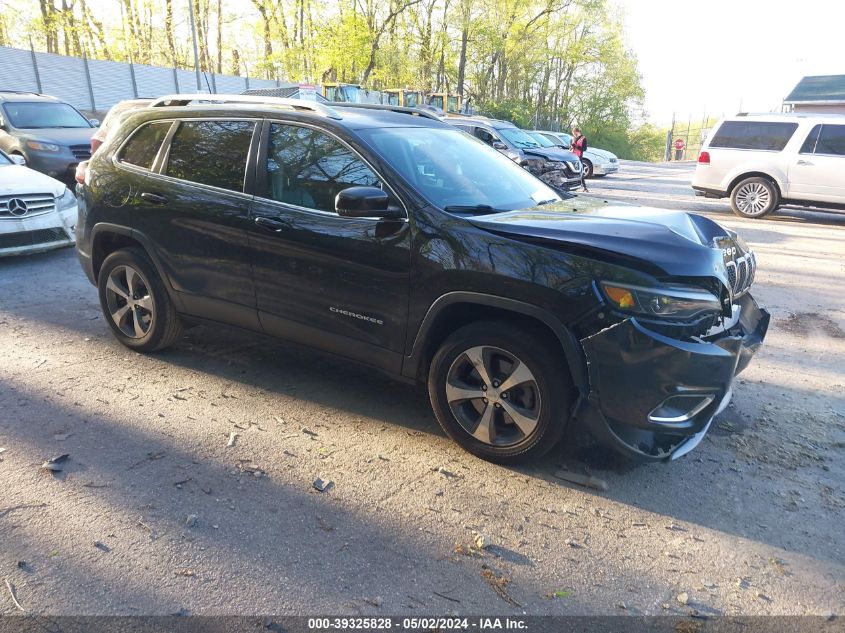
(499, 145)
(94, 122)
(17, 159)
(364, 202)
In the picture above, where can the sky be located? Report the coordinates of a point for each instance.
(718, 57)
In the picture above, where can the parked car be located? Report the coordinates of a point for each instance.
(598, 163)
(763, 161)
(391, 238)
(558, 168)
(37, 213)
(51, 135)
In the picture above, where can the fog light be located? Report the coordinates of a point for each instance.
(680, 409)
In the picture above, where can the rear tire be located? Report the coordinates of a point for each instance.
(754, 197)
(500, 392)
(135, 302)
(587, 168)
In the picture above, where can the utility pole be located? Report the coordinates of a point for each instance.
(196, 52)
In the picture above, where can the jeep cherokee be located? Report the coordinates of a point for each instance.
(384, 235)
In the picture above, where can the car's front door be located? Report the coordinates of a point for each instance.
(196, 213)
(336, 283)
(817, 172)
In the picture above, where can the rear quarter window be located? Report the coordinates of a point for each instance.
(142, 147)
(759, 135)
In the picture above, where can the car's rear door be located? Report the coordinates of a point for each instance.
(817, 172)
(331, 282)
(195, 210)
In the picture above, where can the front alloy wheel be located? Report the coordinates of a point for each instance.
(494, 396)
(501, 391)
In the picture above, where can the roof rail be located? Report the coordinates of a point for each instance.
(25, 92)
(382, 106)
(200, 99)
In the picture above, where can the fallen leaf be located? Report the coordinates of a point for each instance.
(322, 486)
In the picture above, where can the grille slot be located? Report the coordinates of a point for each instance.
(36, 204)
(33, 238)
(741, 273)
(82, 152)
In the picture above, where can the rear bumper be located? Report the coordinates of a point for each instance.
(707, 192)
(653, 398)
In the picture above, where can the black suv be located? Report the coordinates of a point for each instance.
(381, 234)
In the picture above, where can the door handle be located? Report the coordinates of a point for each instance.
(269, 224)
(154, 198)
(805, 162)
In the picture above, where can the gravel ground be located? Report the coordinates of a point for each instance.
(189, 482)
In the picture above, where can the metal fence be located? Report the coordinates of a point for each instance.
(95, 85)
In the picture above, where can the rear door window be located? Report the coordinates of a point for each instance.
(759, 135)
(809, 145)
(142, 147)
(831, 140)
(211, 153)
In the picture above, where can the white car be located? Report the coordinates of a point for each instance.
(762, 161)
(37, 213)
(597, 162)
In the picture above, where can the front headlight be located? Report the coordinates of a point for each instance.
(43, 147)
(670, 301)
(66, 200)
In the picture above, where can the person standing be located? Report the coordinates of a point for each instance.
(578, 147)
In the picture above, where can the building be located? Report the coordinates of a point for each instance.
(824, 94)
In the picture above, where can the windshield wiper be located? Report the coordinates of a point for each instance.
(549, 201)
(478, 209)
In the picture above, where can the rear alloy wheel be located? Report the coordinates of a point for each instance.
(499, 392)
(135, 302)
(754, 198)
(587, 168)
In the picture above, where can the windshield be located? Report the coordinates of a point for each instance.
(518, 137)
(451, 168)
(32, 115)
(542, 140)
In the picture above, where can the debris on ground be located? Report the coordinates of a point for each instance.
(498, 583)
(189, 573)
(191, 521)
(61, 437)
(446, 473)
(481, 541)
(151, 457)
(588, 481)
(559, 594)
(53, 464)
(102, 546)
(322, 486)
(14, 596)
(324, 525)
(375, 601)
(308, 431)
(682, 598)
(232, 439)
(22, 564)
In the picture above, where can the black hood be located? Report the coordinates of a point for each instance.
(674, 243)
(550, 153)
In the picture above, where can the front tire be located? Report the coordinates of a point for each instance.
(135, 302)
(587, 168)
(754, 197)
(500, 392)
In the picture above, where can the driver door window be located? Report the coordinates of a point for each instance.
(308, 168)
(485, 136)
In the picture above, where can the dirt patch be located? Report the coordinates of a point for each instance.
(811, 324)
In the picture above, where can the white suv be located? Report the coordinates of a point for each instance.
(764, 161)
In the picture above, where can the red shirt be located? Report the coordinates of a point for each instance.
(578, 145)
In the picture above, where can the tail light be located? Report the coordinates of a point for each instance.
(704, 158)
(81, 172)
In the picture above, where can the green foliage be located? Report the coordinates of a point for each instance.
(538, 63)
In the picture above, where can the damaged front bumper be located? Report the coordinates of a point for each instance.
(652, 397)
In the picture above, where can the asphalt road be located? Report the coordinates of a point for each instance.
(154, 513)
